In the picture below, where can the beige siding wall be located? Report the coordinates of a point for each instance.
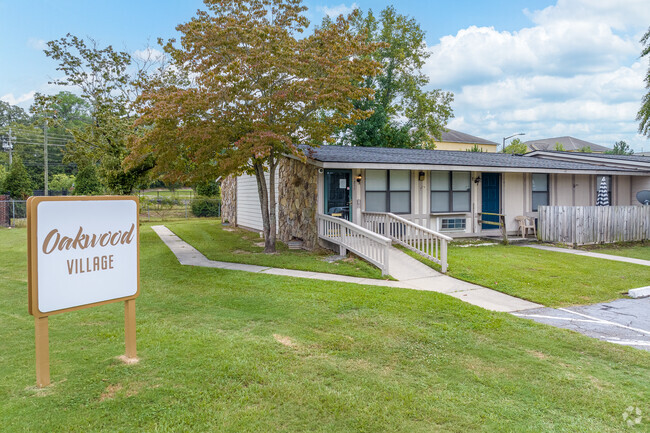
(513, 197)
(446, 145)
(621, 190)
(582, 189)
(638, 183)
(562, 189)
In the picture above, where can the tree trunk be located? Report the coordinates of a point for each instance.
(269, 243)
(264, 207)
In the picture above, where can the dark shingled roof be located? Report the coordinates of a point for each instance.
(635, 157)
(569, 143)
(383, 155)
(453, 136)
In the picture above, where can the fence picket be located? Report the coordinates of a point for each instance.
(583, 225)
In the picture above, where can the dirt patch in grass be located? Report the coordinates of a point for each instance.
(537, 354)
(284, 340)
(110, 392)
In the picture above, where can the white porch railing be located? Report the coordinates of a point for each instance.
(364, 243)
(424, 241)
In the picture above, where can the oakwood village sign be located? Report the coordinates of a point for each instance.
(82, 252)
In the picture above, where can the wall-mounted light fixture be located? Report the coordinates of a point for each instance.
(359, 178)
(478, 179)
(421, 176)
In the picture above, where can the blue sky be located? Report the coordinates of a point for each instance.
(546, 68)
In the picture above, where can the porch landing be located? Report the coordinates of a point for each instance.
(410, 273)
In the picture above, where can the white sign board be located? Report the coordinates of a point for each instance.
(83, 251)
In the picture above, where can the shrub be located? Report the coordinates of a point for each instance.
(206, 208)
(208, 189)
(61, 182)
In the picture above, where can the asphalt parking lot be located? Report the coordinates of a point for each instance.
(624, 321)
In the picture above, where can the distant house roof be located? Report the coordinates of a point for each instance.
(621, 161)
(367, 157)
(453, 136)
(570, 144)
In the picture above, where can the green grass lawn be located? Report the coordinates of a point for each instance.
(243, 246)
(635, 250)
(546, 277)
(231, 351)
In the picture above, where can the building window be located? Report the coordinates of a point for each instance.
(453, 224)
(599, 179)
(388, 191)
(540, 190)
(450, 191)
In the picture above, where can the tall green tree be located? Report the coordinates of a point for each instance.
(247, 88)
(109, 88)
(404, 113)
(620, 148)
(12, 114)
(516, 146)
(17, 182)
(643, 116)
(87, 182)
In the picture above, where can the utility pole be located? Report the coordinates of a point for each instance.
(11, 148)
(45, 155)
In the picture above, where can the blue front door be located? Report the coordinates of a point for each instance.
(491, 183)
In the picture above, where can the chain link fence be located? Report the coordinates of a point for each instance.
(163, 208)
(13, 213)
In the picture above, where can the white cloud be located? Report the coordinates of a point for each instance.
(481, 54)
(622, 15)
(13, 100)
(335, 11)
(37, 44)
(149, 54)
(575, 71)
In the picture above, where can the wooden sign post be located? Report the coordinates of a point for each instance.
(82, 252)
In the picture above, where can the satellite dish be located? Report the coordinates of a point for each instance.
(643, 196)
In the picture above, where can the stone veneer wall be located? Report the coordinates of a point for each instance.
(298, 202)
(229, 200)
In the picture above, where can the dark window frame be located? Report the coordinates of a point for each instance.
(388, 191)
(450, 190)
(547, 192)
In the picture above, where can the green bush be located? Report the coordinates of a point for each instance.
(62, 182)
(208, 189)
(206, 208)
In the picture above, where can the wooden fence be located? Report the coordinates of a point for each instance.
(582, 225)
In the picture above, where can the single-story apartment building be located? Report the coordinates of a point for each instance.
(445, 191)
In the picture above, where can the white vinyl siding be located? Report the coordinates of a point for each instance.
(249, 214)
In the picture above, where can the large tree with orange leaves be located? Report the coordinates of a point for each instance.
(247, 87)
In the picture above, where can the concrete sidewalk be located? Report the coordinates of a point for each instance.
(411, 274)
(590, 254)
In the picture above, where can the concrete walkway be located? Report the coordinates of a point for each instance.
(411, 274)
(590, 254)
